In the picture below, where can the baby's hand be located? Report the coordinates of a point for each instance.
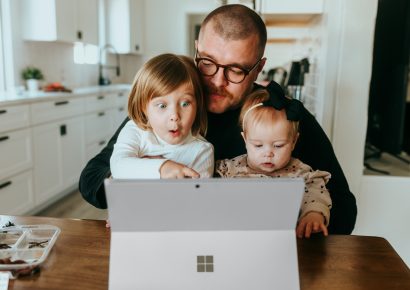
(312, 222)
(107, 224)
(171, 169)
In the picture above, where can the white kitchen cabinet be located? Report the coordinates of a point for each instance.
(16, 182)
(119, 114)
(14, 117)
(87, 21)
(99, 102)
(97, 126)
(120, 111)
(99, 122)
(101, 125)
(59, 156)
(125, 25)
(16, 193)
(15, 152)
(290, 6)
(94, 148)
(60, 20)
(44, 143)
(61, 108)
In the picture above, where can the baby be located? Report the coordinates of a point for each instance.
(270, 135)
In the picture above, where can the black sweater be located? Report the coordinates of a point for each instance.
(313, 148)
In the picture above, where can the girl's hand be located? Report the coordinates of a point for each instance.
(171, 169)
(312, 222)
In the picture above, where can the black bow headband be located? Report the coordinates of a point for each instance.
(279, 101)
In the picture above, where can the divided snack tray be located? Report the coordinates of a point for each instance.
(29, 245)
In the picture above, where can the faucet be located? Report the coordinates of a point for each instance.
(105, 81)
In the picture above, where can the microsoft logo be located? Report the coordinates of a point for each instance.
(204, 263)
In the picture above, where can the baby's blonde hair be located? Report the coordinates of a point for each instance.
(160, 76)
(252, 113)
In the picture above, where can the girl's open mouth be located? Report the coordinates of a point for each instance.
(175, 133)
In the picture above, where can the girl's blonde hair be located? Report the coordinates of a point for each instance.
(160, 76)
(253, 113)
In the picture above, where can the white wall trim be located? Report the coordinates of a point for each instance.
(352, 87)
(7, 41)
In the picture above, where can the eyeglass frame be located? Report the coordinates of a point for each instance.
(225, 67)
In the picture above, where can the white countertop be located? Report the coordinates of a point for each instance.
(12, 98)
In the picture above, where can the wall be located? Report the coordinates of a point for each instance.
(171, 34)
(352, 76)
(56, 60)
(383, 205)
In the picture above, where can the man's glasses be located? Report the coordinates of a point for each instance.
(233, 73)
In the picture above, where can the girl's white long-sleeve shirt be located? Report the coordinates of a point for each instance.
(134, 143)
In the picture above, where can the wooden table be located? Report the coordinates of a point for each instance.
(80, 259)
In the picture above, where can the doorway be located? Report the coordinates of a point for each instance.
(387, 150)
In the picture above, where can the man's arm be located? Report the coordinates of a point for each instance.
(92, 177)
(315, 149)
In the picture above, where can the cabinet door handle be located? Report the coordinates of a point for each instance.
(121, 109)
(63, 130)
(61, 103)
(79, 34)
(100, 114)
(3, 111)
(101, 142)
(4, 138)
(100, 97)
(137, 47)
(5, 184)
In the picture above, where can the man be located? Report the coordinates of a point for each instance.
(229, 55)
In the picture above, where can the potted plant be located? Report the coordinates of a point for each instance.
(32, 76)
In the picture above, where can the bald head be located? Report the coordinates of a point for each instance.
(236, 22)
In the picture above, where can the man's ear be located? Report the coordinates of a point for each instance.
(261, 64)
(196, 44)
(259, 68)
(243, 136)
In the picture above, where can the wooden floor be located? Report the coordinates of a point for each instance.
(74, 206)
(389, 164)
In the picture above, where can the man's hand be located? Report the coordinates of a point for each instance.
(171, 169)
(312, 222)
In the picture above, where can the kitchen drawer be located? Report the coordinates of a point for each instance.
(15, 152)
(119, 114)
(121, 99)
(44, 112)
(94, 148)
(97, 126)
(100, 102)
(16, 194)
(14, 117)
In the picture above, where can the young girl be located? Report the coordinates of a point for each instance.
(162, 139)
(270, 139)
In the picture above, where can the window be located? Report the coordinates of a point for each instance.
(2, 80)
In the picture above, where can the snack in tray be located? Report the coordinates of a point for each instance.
(24, 248)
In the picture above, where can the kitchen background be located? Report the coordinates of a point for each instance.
(336, 37)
